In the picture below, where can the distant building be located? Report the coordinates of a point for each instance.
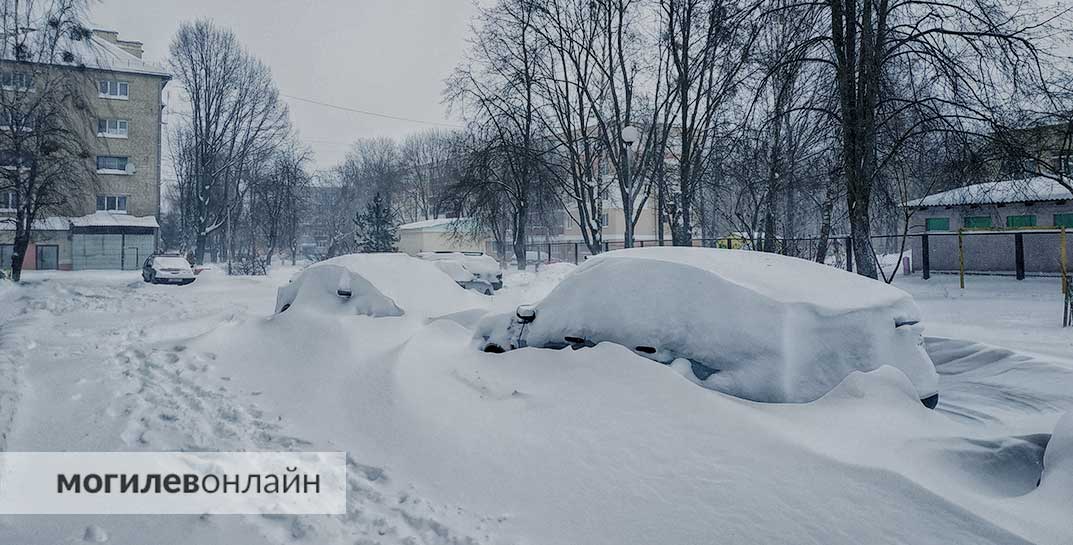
(115, 227)
(436, 235)
(991, 214)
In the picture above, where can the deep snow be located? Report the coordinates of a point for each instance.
(447, 445)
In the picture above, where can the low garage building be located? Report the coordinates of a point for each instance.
(101, 240)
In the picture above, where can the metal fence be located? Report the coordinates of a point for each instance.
(1012, 252)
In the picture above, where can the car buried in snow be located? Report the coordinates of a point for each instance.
(464, 277)
(759, 326)
(483, 266)
(375, 285)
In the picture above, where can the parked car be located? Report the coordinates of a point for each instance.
(463, 277)
(484, 266)
(167, 269)
(759, 326)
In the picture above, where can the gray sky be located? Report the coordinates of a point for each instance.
(385, 56)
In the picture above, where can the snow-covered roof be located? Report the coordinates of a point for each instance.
(101, 54)
(98, 53)
(108, 219)
(433, 225)
(1035, 189)
(44, 224)
(96, 219)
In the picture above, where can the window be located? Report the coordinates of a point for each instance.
(111, 164)
(1021, 221)
(112, 203)
(604, 220)
(977, 222)
(6, 251)
(114, 89)
(937, 224)
(1063, 220)
(1063, 164)
(8, 200)
(115, 128)
(10, 119)
(16, 80)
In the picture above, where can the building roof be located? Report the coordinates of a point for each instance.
(44, 224)
(1035, 189)
(108, 219)
(98, 53)
(438, 225)
(96, 219)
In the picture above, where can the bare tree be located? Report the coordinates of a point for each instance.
(236, 117)
(708, 43)
(43, 113)
(496, 90)
(954, 66)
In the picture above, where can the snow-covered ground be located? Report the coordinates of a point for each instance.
(447, 445)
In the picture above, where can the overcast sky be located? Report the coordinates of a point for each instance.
(385, 56)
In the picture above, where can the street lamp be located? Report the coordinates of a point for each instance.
(630, 134)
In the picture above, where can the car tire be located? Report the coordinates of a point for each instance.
(187, 282)
(931, 401)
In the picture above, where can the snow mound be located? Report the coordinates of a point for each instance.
(762, 327)
(883, 385)
(334, 289)
(1058, 458)
(411, 285)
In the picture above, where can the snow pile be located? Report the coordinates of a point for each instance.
(1057, 480)
(773, 328)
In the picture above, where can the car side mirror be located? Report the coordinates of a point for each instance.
(526, 313)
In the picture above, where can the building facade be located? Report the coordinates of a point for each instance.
(112, 223)
(990, 218)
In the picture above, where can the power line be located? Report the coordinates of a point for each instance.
(374, 114)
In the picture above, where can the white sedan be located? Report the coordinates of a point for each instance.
(167, 269)
(758, 326)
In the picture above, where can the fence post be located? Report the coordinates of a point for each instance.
(849, 254)
(1063, 260)
(607, 246)
(1019, 248)
(549, 252)
(575, 253)
(925, 257)
(961, 258)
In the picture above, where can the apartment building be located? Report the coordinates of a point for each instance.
(112, 223)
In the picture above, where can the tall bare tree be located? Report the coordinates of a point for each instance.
(44, 113)
(236, 117)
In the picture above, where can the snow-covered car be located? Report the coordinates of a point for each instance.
(376, 285)
(484, 266)
(759, 326)
(167, 269)
(463, 277)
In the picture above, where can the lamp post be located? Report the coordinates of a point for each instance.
(630, 135)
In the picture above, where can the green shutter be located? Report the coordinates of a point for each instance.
(1063, 220)
(977, 222)
(1021, 221)
(937, 224)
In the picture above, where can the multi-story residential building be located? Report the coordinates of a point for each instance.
(112, 224)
